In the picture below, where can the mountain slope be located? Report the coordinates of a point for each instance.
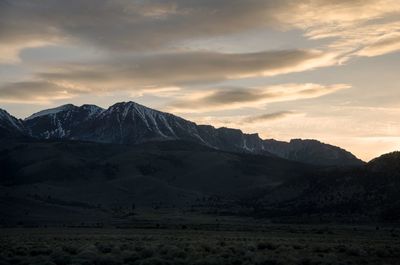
(10, 126)
(180, 163)
(81, 176)
(369, 192)
(179, 174)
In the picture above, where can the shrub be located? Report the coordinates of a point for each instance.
(146, 253)
(131, 258)
(107, 260)
(61, 259)
(104, 248)
(40, 251)
(70, 250)
(267, 245)
(266, 261)
(154, 261)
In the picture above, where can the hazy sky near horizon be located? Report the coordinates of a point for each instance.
(322, 69)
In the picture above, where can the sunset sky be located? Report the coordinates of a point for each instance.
(321, 69)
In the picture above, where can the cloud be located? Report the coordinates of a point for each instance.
(250, 123)
(9, 52)
(135, 25)
(159, 72)
(175, 69)
(40, 92)
(314, 13)
(353, 28)
(234, 98)
(268, 116)
(124, 25)
(386, 44)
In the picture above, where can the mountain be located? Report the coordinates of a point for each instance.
(10, 126)
(387, 163)
(311, 151)
(132, 123)
(62, 122)
(88, 163)
(370, 192)
(43, 180)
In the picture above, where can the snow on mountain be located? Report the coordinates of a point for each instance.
(129, 122)
(50, 111)
(92, 110)
(60, 122)
(132, 123)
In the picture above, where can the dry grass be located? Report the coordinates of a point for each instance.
(176, 247)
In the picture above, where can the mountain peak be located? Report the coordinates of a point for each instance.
(86, 106)
(92, 109)
(126, 105)
(51, 111)
(386, 163)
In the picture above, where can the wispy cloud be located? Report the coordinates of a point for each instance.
(268, 116)
(382, 45)
(178, 69)
(188, 66)
(39, 92)
(353, 28)
(234, 98)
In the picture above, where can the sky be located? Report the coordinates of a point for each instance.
(311, 69)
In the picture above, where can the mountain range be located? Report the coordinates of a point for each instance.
(72, 164)
(132, 123)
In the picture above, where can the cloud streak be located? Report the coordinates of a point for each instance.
(268, 117)
(40, 92)
(384, 44)
(179, 69)
(234, 98)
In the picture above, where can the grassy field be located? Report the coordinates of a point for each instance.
(272, 244)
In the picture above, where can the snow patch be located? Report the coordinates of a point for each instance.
(50, 111)
(92, 110)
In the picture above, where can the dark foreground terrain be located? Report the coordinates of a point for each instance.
(268, 244)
